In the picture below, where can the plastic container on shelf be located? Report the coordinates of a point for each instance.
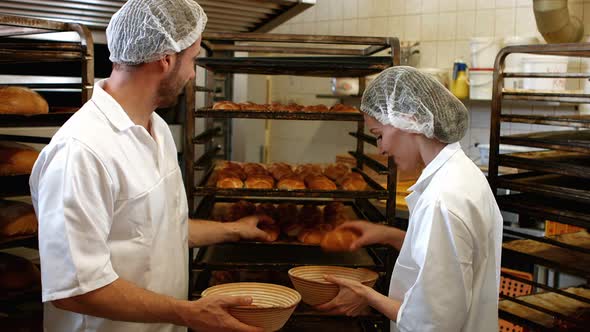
(514, 61)
(481, 83)
(484, 51)
(533, 63)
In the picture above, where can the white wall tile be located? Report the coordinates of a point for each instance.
(525, 22)
(505, 3)
(363, 27)
(447, 26)
(365, 8)
(485, 4)
(466, 4)
(309, 15)
(445, 54)
(322, 28)
(412, 27)
(307, 28)
(430, 6)
(349, 27)
(463, 50)
(378, 26)
(430, 26)
(397, 7)
(428, 52)
(350, 9)
(396, 27)
(480, 119)
(336, 27)
(322, 10)
(505, 23)
(524, 3)
(448, 6)
(465, 25)
(381, 8)
(413, 6)
(336, 9)
(484, 23)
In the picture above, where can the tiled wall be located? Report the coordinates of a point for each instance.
(443, 28)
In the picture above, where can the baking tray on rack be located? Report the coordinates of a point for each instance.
(576, 262)
(50, 119)
(555, 209)
(567, 140)
(348, 66)
(551, 161)
(550, 185)
(279, 115)
(574, 121)
(375, 190)
(14, 185)
(549, 311)
(29, 241)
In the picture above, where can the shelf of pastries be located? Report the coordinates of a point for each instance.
(16, 164)
(300, 231)
(550, 311)
(278, 111)
(18, 224)
(23, 107)
(336, 180)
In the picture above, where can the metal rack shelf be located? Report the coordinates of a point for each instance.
(568, 97)
(278, 115)
(555, 209)
(28, 241)
(300, 66)
(549, 185)
(574, 121)
(574, 140)
(569, 164)
(38, 120)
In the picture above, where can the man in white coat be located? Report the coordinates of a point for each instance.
(114, 230)
(447, 274)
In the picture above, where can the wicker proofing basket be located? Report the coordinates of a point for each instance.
(315, 290)
(272, 305)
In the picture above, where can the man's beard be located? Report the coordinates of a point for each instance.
(170, 89)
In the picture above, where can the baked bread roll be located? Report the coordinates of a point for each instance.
(260, 182)
(17, 219)
(334, 213)
(319, 182)
(280, 170)
(16, 159)
(287, 218)
(291, 229)
(273, 230)
(314, 235)
(354, 182)
(276, 107)
(249, 106)
(228, 180)
(338, 240)
(267, 209)
(240, 210)
(226, 105)
(306, 170)
(315, 108)
(254, 169)
(291, 182)
(17, 273)
(343, 108)
(233, 168)
(310, 216)
(336, 171)
(19, 100)
(292, 107)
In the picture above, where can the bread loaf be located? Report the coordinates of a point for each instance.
(17, 219)
(240, 210)
(228, 180)
(354, 182)
(260, 182)
(343, 108)
(338, 240)
(314, 235)
(310, 216)
(334, 213)
(315, 108)
(280, 170)
(292, 182)
(319, 182)
(17, 273)
(254, 169)
(249, 106)
(226, 105)
(336, 171)
(19, 100)
(16, 159)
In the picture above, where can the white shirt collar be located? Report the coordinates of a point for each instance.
(111, 109)
(443, 156)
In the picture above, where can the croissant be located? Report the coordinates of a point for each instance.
(338, 240)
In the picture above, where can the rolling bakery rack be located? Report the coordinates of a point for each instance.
(35, 63)
(552, 184)
(319, 56)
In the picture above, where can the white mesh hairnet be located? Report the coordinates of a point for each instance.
(146, 30)
(415, 102)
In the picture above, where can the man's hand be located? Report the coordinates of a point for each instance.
(351, 299)
(210, 314)
(369, 233)
(246, 228)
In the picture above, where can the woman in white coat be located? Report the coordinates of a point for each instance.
(447, 274)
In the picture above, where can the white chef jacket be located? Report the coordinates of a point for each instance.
(447, 274)
(111, 204)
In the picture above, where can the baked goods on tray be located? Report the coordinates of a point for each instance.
(17, 219)
(20, 100)
(278, 107)
(16, 158)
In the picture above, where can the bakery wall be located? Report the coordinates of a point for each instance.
(443, 28)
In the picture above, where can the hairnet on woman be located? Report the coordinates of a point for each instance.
(446, 277)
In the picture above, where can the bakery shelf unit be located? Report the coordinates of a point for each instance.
(297, 55)
(552, 183)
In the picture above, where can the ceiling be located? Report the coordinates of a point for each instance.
(224, 15)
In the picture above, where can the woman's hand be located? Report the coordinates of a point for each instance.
(351, 299)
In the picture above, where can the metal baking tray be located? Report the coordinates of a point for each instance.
(555, 209)
(550, 185)
(551, 161)
(278, 115)
(567, 140)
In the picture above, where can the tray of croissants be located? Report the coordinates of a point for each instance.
(295, 224)
(279, 107)
(284, 178)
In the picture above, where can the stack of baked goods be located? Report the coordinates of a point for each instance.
(16, 219)
(286, 177)
(309, 224)
(278, 107)
(18, 274)
(20, 100)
